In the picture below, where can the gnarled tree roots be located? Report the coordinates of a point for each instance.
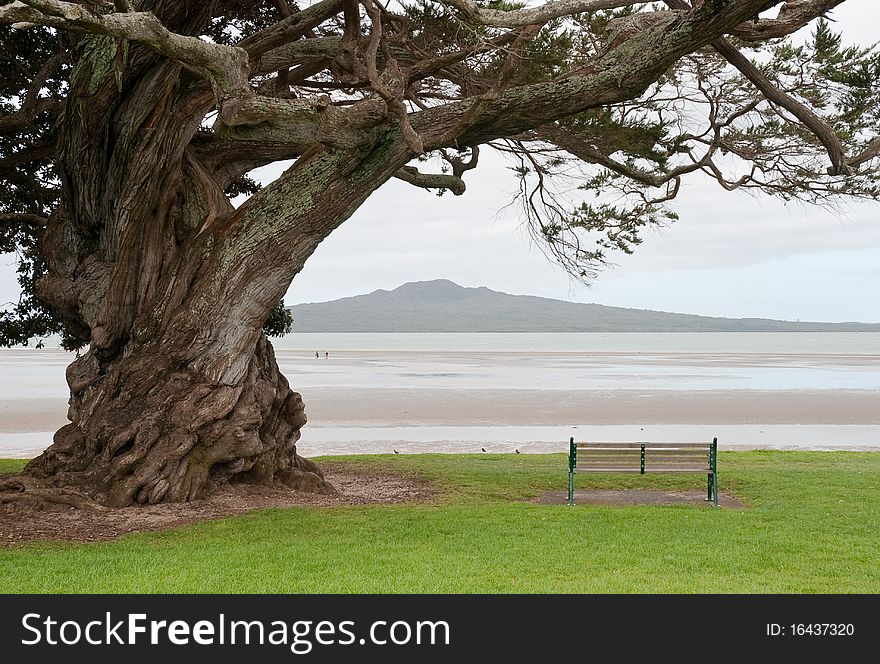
(148, 428)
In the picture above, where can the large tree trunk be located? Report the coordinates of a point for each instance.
(169, 286)
(179, 391)
(146, 430)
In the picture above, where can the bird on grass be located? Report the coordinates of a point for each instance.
(517, 451)
(482, 449)
(396, 452)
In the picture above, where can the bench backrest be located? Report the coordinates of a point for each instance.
(642, 457)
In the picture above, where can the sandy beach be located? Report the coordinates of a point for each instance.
(377, 401)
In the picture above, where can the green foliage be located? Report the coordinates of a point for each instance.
(279, 322)
(702, 118)
(236, 19)
(243, 186)
(29, 186)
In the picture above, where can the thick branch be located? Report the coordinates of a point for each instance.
(226, 67)
(289, 54)
(227, 160)
(19, 218)
(871, 151)
(519, 18)
(33, 104)
(290, 28)
(28, 154)
(413, 176)
(792, 17)
(300, 123)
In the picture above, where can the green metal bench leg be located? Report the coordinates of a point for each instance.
(709, 486)
(572, 463)
(570, 488)
(714, 459)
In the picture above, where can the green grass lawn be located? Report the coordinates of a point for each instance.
(813, 525)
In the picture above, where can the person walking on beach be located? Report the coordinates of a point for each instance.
(316, 355)
(326, 355)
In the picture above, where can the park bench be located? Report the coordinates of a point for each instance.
(644, 458)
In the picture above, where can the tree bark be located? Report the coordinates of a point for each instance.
(146, 430)
(169, 285)
(179, 392)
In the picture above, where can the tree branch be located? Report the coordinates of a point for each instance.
(793, 15)
(416, 178)
(773, 94)
(519, 18)
(27, 154)
(621, 73)
(426, 67)
(19, 218)
(227, 160)
(289, 54)
(391, 95)
(871, 151)
(290, 28)
(226, 67)
(33, 104)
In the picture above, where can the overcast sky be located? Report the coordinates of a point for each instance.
(730, 254)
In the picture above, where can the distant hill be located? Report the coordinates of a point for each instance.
(444, 306)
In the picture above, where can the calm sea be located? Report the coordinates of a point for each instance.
(677, 342)
(575, 342)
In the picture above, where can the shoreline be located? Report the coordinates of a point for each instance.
(427, 407)
(334, 441)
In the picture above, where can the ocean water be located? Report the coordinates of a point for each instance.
(635, 342)
(575, 342)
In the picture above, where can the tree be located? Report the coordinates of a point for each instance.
(127, 127)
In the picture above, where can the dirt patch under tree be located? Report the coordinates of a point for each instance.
(60, 522)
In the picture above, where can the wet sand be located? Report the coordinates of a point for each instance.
(495, 407)
(329, 407)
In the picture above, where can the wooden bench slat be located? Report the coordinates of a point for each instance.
(688, 469)
(677, 459)
(648, 445)
(672, 451)
(634, 458)
(618, 451)
(648, 469)
(611, 470)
